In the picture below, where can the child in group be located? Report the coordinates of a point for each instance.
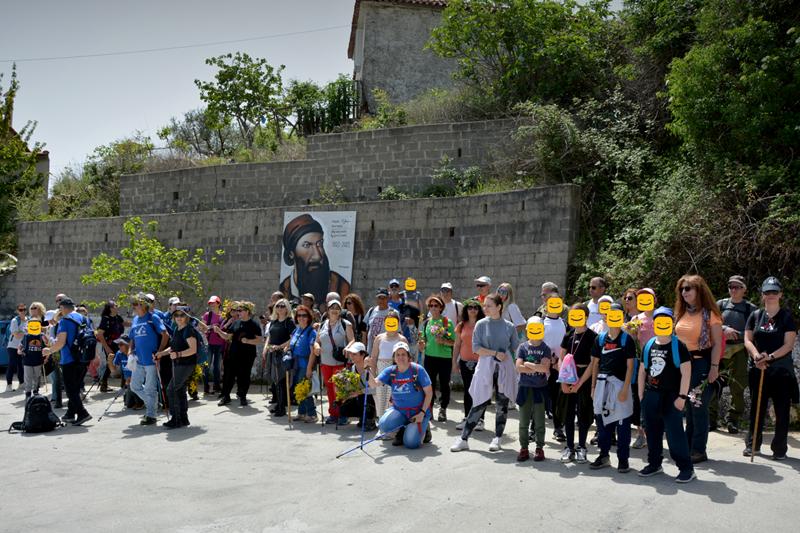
(120, 362)
(613, 356)
(534, 359)
(32, 349)
(664, 378)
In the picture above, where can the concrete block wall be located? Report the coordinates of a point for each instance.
(522, 237)
(364, 163)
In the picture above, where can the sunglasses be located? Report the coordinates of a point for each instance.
(629, 298)
(735, 287)
(771, 293)
(302, 316)
(592, 287)
(502, 291)
(136, 304)
(334, 308)
(686, 288)
(178, 315)
(472, 308)
(280, 306)
(22, 309)
(394, 286)
(446, 290)
(433, 306)
(348, 303)
(481, 285)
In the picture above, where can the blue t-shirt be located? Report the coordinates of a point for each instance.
(396, 305)
(121, 360)
(301, 343)
(71, 328)
(403, 393)
(146, 334)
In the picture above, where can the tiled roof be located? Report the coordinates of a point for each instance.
(351, 47)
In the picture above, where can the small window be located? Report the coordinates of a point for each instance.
(452, 232)
(371, 228)
(106, 237)
(175, 195)
(485, 209)
(180, 234)
(224, 182)
(51, 239)
(380, 190)
(523, 205)
(459, 152)
(256, 231)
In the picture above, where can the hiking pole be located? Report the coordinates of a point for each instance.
(321, 412)
(364, 416)
(45, 379)
(376, 438)
(112, 402)
(175, 394)
(95, 382)
(758, 418)
(288, 400)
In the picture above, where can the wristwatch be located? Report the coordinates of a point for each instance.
(771, 356)
(683, 396)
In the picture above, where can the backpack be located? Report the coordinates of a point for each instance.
(602, 340)
(8, 329)
(39, 417)
(85, 342)
(676, 358)
(415, 376)
(202, 349)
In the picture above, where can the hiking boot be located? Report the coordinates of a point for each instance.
(733, 429)
(185, 422)
(686, 476)
(243, 402)
(195, 396)
(299, 418)
(601, 462)
(170, 424)
(311, 419)
(523, 455)
(479, 426)
(698, 457)
(495, 445)
(273, 409)
(148, 420)
(559, 435)
(461, 424)
(539, 455)
(595, 439)
(623, 467)
(640, 442)
(567, 456)
(650, 470)
(460, 445)
(224, 400)
(81, 419)
(428, 436)
(581, 459)
(330, 420)
(279, 413)
(105, 388)
(9, 388)
(343, 421)
(398, 437)
(442, 415)
(138, 405)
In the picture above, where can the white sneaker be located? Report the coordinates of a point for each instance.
(461, 424)
(460, 445)
(512, 406)
(495, 445)
(9, 388)
(479, 426)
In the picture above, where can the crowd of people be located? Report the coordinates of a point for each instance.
(612, 364)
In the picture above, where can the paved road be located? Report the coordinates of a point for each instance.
(236, 469)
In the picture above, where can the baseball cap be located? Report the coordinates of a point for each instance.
(605, 298)
(309, 296)
(447, 286)
(666, 311)
(400, 345)
(737, 279)
(356, 347)
(646, 290)
(770, 284)
(174, 300)
(334, 302)
(382, 292)
(150, 298)
(485, 279)
(124, 339)
(616, 306)
(535, 320)
(49, 315)
(213, 299)
(66, 301)
(393, 281)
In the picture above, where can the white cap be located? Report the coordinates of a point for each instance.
(150, 297)
(400, 345)
(356, 347)
(49, 315)
(447, 286)
(535, 320)
(485, 279)
(174, 300)
(606, 298)
(334, 302)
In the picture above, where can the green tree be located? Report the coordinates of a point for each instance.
(320, 109)
(245, 91)
(147, 265)
(18, 173)
(196, 135)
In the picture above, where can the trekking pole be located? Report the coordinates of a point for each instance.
(758, 418)
(376, 438)
(112, 402)
(288, 400)
(95, 382)
(364, 416)
(321, 412)
(45, 379)
(175, 394)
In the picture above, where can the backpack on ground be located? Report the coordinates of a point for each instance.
(39, 417)
(85, 341)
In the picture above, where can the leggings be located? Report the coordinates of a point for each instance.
(477, 412)
(466, 377)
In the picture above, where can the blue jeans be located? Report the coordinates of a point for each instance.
(697, 417)
(307, 406)
(623, 428)
(14, 365)
(661, 416)
(144, 383)
(215, 362)
(412, 437)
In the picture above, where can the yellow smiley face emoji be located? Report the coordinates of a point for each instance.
(34, 327)
(411, 285)
(662, 325)
(604, 307)
(391, 324)
(576, 318)
(645, 302)
(614, 318)
(535, 331)
(555, 305)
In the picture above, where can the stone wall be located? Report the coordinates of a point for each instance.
(364, 163)
(523, 237)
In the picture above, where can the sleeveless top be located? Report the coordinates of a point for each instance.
(385, 349)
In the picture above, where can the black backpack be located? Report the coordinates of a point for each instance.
(39, 417)
(85, 343)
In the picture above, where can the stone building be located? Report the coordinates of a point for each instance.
(387, 46)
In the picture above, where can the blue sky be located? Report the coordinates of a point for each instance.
(87, 102)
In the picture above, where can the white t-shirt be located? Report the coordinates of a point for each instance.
(514, 315)
(554, 331)
(594, 313)
(452, 310)
(22, 327)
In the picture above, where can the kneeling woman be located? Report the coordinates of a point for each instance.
(411, 397)
(354, 406)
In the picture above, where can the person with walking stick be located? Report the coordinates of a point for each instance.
(182, 351)
(769, 338)
(148, 336)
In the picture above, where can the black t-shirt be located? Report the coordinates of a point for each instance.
(179, 343)
(32, 346)
(662, 374)
(768, 336)
(281, 332)
(248, 329)
(581, 344)
(112, 327)
(613, 356)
